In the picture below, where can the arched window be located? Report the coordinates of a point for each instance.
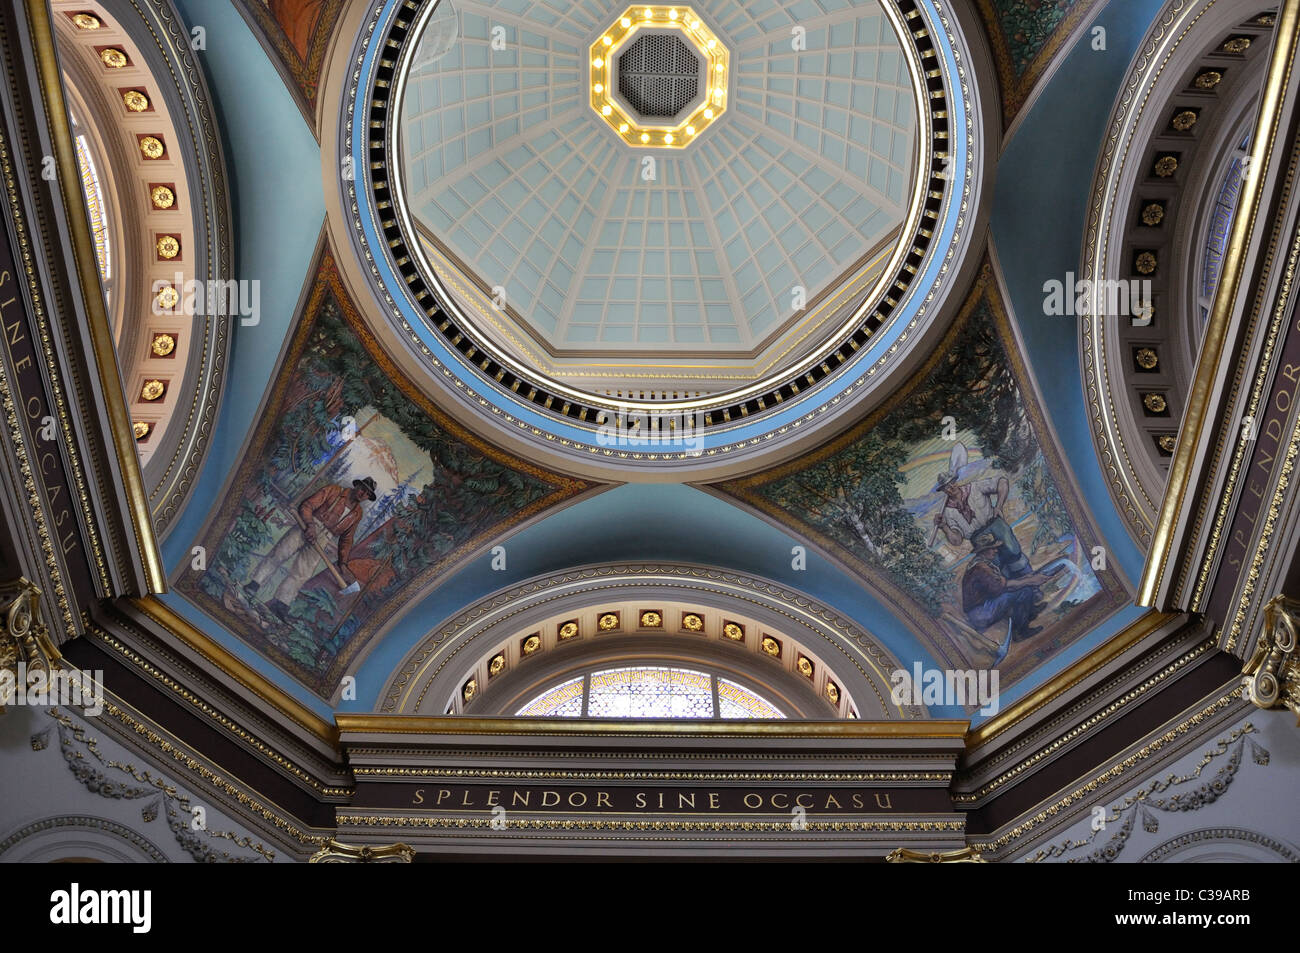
(649, 692)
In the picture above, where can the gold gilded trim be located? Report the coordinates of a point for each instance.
(1198, 411)
(214, 653)
(905, 855)
(568, 824)
(576, 727)
(87, 268)
(1131, 635)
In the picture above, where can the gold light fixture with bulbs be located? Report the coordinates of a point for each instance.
(684, 128)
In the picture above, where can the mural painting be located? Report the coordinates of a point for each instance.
(355, 495)
(953, 505)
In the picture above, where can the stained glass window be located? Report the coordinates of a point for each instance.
(650, 692)
(562, 701)
(94, 206)
(737, 702)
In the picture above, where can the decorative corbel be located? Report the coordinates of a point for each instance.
(1272, 676)
(905, 855)
(335, 853)
(24, 640)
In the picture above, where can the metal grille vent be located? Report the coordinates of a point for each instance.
(658, 75)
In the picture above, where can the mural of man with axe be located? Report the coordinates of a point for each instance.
(335, 509)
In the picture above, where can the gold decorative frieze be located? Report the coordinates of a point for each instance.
(162, 197)
(113, 58)
(1272, 676)
(135, 101)
(608, 621)
(693, 622)
(336, 853)
(530, 645)
(85, 21)
(733, 631)
(497, 665)
(568, 630)
(652, 619)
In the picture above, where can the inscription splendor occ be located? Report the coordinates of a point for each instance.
(620, 799)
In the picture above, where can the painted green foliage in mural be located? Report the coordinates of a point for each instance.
(339, 423)
(881, 496)
(1027, 25)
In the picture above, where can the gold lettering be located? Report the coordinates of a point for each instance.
(14, 336)
(713, 801)
(602, 799)
(1289, 371)
(554, 794)
(885, 803)
(780, 806)
(464, 800)
(518, 796)
(661, 800)
(830, 799)
(43, 458)
(419, 796)
(69, 541)
(857, 800)
(681, 800)
(442, 793)
(1277, 401)
(758, 799)
(798, 799)
(492, 798)
(640, 799)
(24, 360)
(4, 278)
(582, 803)
(33, 414)
(1255, 488)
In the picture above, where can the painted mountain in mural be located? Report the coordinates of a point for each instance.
(952, 504)
(356, 494)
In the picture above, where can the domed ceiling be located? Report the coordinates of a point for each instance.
(699, 265)
(723, 216)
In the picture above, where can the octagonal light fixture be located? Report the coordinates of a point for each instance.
(659, 76)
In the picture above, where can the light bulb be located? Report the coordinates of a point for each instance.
(605, 110)
(598, 63)
(625, 23)
(690, 130)
(606, 40)
(645, 137)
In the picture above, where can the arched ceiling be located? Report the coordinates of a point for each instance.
(750, 156)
